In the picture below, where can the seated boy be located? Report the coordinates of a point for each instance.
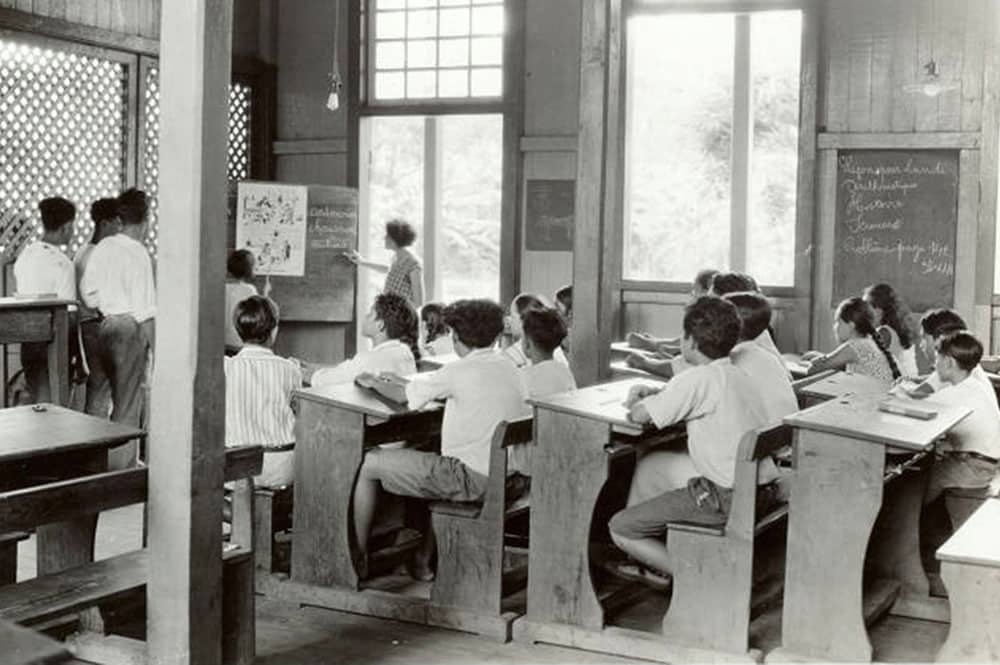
(564, 305)
(259, 387)
(720, 403)
(482, 389)
(701, 285)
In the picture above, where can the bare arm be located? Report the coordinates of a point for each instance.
(658, 366)
(361, 261)
(836, 359)
(417, 285)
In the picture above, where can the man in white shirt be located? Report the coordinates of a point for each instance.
(482, 389)
(118, 282)
(43, 269)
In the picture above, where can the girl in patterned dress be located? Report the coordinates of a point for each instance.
(860, 349)
(404, 276)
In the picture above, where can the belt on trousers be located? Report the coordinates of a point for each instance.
(978, 456)
(285, 447)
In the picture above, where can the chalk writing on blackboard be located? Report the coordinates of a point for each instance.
(549, 215)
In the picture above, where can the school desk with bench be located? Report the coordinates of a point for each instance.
(41, 320)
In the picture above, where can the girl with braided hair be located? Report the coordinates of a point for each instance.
(860, 350)
(893, 327)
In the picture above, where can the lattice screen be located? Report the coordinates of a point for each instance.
(62, 133)
(238, 154)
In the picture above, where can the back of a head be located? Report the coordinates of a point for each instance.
(732, 282)
(398, 316)
(240, 264)
(894, 311)
(963, 347)
(56, 212)
(525, 301)
(545, 328)
(432, 314)
(754, 311)
(401, 232)
(103, 210)
(859, 313)
(476, 322)
(133, 206)
(565, 297)
(713, 324)
(703, 280)
(255, 318)
(938, 321)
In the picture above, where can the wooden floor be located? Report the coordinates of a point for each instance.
(291, 635)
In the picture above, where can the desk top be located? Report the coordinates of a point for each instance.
(857, 416)
(603, 402)
(33, 303)
(23, 646)
(28, 433)
(976, 541)
(431, 363)
(843, 383)
(620, 369)
(355, 398)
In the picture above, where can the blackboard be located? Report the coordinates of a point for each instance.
(896, 222)
(326, 291)
(549, 215)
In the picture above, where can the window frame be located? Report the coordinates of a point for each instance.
(743, 11)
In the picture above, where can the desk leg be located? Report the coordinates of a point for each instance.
(974, 595)
(835, 497)
(570, 468)
(329, 448)
(58, 358)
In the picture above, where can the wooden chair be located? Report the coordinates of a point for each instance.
(469, 587)
(272, 514)
(713, 566)
(47, 597)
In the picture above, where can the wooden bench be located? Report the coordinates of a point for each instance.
(470, 537)
(272, 514)
(713, 566)
(970, 568)
(47, 597)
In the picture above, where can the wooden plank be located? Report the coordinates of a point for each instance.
(925, 106)
(742, 137)
(988, 160)
(859, 59)
(826, 209)
(185, 485)
(881, 65)
(29, 433)
(805, 201)
(949, 42)
(549, 143)
(967, 235)
(893, 141)
(23, 646)
(837, 26)
(243, 462)
(310, 147)
(904, 67)
(109, 649)
(975, 543)
(974, 596)
(973, 60)
(512, 166)
(61, 29)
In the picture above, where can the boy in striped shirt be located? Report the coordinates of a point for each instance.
(259, 387)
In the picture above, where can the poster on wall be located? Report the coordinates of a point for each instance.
(549, 215)
(271, 223)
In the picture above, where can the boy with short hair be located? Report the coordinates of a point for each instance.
(43, 269)
(482, 389)
(564, 305)
(259, 387)
(118, 282)
(720, 403)
(239, 286)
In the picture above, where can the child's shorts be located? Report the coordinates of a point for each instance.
(959, 469)
(423, 475)
(701, 502)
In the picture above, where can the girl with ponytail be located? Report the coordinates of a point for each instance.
(893, 326)
(860, 351)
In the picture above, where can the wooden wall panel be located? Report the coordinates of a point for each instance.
(130, 17)
(544, 272)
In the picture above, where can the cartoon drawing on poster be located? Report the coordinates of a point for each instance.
(271, 223)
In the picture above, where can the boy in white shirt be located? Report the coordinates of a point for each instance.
(118, 282)
(43, 269)
(391, 324)
(482, 389)
(259, 387)
(720, 403)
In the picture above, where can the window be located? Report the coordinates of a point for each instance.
(435, 50)
(712, 145)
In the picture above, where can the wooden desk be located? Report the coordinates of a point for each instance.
(835, 497)
(970, 568)
(431, 363)
(23, 646)
(57, 443)
(27, 320)
(574, 435)
(620, 370)
(838, 384)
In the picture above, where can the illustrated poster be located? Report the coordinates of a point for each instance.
(271, 223)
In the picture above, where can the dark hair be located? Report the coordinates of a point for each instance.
(754, 311)
(703, 280)
(732, 282)
(56, 212)
(102, 210)
(545, 328)
(399, 318)
(963, 347)
(240, 264)
(894, 311)
(861, 315)
(713, 324)
(936, 322)
(525, 301)
(565, 297)
(133, 206)
(476, 322)
(432, 315)
(255, 318)
(401, 232)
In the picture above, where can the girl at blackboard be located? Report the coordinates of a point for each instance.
(404, 276)
(860, 351)
(891, 323)
(437, 335)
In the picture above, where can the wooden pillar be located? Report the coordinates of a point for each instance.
(433, 201)
(184, 593)
(598, 235)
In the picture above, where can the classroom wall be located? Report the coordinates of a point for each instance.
(129, 17)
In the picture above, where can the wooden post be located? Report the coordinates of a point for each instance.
(184, 593)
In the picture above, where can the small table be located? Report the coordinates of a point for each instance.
(53, 441)
(835, 497)
(30, 320)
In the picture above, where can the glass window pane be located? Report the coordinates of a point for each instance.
(487, 20)
(422, 53)
(677, 197)
(454, 3)
(421, 3)
(775, 47)
(390, 4)
(421, 84)
(487, 82)
(454, 22)
(390, 25)
(453, 53)
(487, 51)
(389, 85)
(453, 83)
(421, 23)
(390, 55)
